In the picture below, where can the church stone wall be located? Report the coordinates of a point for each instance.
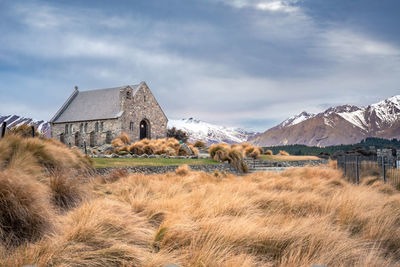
(112, 125)
(143, 106)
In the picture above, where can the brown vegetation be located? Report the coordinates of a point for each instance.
(300, 217)
(199, 144)
(283, 153)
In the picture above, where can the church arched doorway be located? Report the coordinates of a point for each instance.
(144, 129)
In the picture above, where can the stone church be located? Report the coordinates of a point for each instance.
(98, 116)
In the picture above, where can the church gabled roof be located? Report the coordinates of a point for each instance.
(92, 105)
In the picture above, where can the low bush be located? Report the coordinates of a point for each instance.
(283, 153)
(65, 191)
(183, 170)
(166, 146)
(268, 152)
(25, 213)
(199, 144)
(34, 155)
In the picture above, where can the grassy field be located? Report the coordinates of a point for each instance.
(125, 162)
(287, 158)
(52, 215)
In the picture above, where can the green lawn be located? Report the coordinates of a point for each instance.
(125, 162)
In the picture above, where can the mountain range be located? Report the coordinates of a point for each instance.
(15, 121)
(344, 124)
(211, 133)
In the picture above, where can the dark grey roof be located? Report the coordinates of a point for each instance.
(92, 105)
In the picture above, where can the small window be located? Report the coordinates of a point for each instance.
(144, 98)
(128, 95)
(86, 127)
(71, 129)
(66, 128)
(96, 127)
(101, 126)
(131, 126)
(81, 128)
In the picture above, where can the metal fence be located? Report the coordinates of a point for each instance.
(356, 168)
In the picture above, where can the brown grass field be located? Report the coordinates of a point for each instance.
(300, 217)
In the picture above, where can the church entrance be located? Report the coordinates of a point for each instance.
(144, 129)
(77, 139)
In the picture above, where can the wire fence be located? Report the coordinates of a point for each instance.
(356, 168)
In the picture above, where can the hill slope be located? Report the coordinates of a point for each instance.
(337, 125)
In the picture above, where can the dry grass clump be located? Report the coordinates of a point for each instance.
(199, 144)
(66, 191)
(283, 153)
(166, 146)
(183, 170)
(33, 155)
(24, 211)
(268, 152)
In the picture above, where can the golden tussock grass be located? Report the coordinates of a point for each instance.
(300, 217)
(165, 146)
(268, 152)
(199, 144)
(283, 153)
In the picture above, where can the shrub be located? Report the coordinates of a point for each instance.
(66, 192)
(25, 214)
(125, 138)
(236, 160)
(183, 170)
(34, 155)
(23, 130)
(268, 152)
(199, 144)
(177, 134)
(283, 153)
(117, 142)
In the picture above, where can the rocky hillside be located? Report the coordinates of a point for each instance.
(14, 120)
(337, 125)
(210, 133)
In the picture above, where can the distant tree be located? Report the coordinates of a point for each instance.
(178, 134)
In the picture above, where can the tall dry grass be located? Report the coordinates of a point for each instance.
(300, 217)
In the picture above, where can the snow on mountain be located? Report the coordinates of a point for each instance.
(15, 121)
(295, 120)
(210, 133)
(344, 124)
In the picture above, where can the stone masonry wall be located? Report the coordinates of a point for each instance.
(142, 106)
(164, 169)
(112, 125)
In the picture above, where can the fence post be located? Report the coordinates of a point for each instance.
(33, 130)
(3, 129)
(357, 171)
(384, 173)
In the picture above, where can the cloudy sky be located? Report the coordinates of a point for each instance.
(247, 63)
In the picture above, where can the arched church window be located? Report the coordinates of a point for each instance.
(101, 126)
(81, 128)
(96, 127)
(66, 128)
(86, 127)
(131, 126)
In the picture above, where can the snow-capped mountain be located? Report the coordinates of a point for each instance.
(14, 121)
(295, 120)
(344, 124)
(210, 133)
